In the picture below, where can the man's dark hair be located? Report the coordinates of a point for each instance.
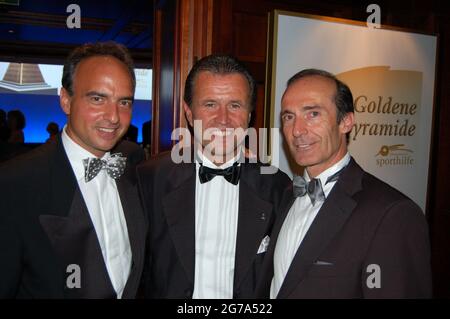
(222, 65)
(88, 50)
(53, 128)
(19, 118)
(343, 98)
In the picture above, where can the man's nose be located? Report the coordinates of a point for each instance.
(299, 128)
(112, 112)
(222, 115)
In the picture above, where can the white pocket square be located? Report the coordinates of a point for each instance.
(264, 244)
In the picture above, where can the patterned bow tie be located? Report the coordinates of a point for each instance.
(114, 165)
(313, 188)
(231, 174)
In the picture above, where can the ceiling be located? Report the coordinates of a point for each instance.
(37, 29)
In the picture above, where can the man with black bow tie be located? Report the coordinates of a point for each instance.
(342, 233)
(71, 223)
(210, 219)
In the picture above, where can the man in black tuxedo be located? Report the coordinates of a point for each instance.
(71, 223)
(211, 215)
(343, 233)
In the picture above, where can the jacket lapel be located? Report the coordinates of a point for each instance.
(135, 220)
(254, 217)
(75, 242)
(181, 219)
(72, 234)
(335, 211)
(63, 182)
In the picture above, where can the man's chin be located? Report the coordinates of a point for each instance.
(106, 146)
(303, 161)
(220, 155)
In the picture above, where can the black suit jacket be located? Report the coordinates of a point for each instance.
(168, 193)
(362, 222)
(45, 227)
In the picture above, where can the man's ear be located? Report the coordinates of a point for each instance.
(64, 101)
(347, 123)
(188, 112)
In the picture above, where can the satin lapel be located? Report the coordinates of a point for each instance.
(328, 222)
(253, 224)
(180, 215)
(71, 232)
(136, 223)
(63, 181)
(75, 242)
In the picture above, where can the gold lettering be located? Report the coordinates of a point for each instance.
(383, 106)
(360, 108)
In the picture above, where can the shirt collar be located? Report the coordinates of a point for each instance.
(76, 154)
(331, 170)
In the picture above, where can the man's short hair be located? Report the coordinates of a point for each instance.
(19, 118)
(343, 98)
(88, 50)
(222, 65)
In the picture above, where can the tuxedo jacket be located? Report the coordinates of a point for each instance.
(168, 193)
(367, 241)
(45, 228)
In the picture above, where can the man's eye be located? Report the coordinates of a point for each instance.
(314, 114)
(287, 117)
(126, 103)
(96, 99)
(235, 105)
(210, 104)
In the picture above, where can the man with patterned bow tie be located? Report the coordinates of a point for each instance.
(71, 223)
(210, 219)
(342, 233)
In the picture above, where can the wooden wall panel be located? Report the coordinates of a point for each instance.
(164, 72)
(249, 41)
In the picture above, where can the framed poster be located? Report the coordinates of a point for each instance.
(391, 74)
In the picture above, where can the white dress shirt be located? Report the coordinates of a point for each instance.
(296, 225)
(105, 209)
(216, 219)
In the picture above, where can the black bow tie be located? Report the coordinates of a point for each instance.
(114, 165)
(313, 188)
(231, 174)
